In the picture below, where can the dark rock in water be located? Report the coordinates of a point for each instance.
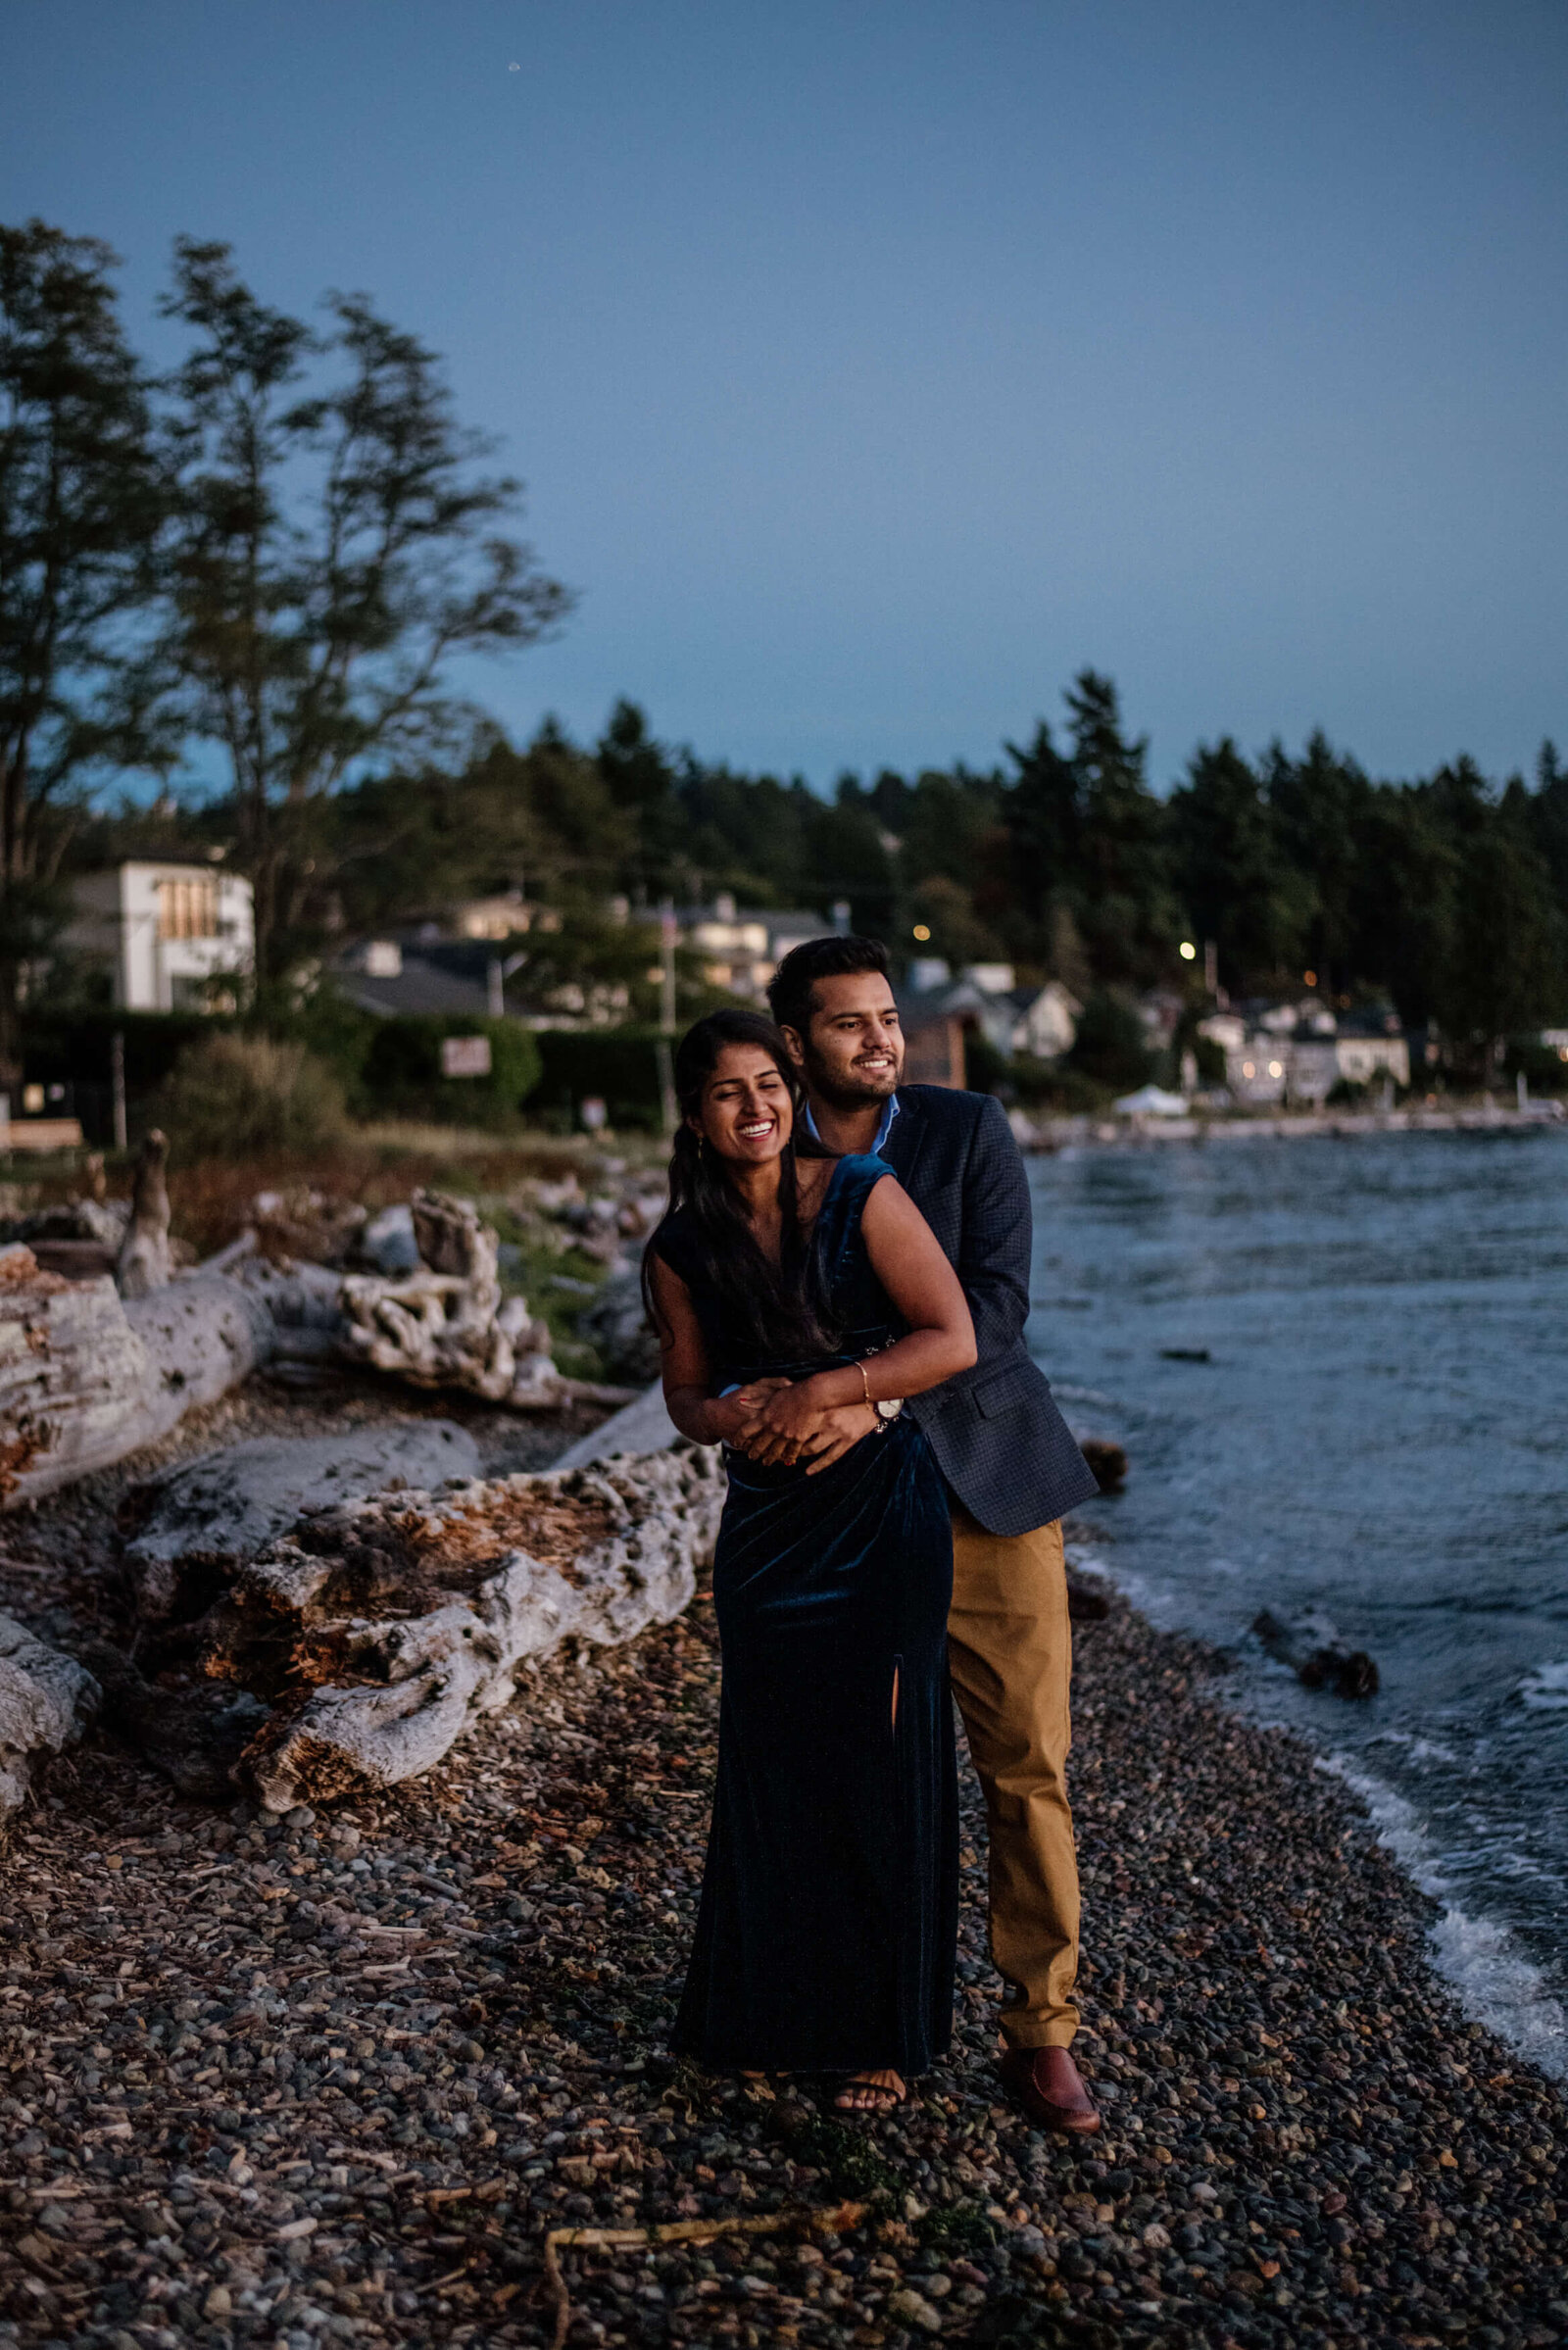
(1086, 1604)
(1108, 1462)
(1184, 1355)
(1318, 1655)
(1350, 1671)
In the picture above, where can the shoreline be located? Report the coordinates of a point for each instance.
(1047, 1135)
(1477, 1955)
(260, 2096)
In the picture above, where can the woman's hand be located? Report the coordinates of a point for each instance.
(788, 1419)
(842, 1428)
(739, 1416)
(821, 1436)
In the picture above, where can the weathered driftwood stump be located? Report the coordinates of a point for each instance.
(1318, 1655)
(144, 1262)
(188, 1533)
(46, 1700)
(87, 1377)
(1108, 1461)
(448, 1325)
(378, 1633)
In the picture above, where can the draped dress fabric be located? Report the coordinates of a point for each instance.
(826, 1936)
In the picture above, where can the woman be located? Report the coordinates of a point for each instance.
(825, 1939)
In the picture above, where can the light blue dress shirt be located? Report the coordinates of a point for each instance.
(884, 1129)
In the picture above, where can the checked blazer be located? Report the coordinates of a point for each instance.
(999, 1439)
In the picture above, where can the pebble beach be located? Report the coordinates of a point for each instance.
(395, 2074)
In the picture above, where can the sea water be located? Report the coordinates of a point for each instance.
(1378, 1434)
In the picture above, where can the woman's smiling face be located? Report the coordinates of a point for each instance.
(744, 1114)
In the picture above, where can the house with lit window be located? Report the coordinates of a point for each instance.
(173, 937)
(1299, 1052)
(742, 948)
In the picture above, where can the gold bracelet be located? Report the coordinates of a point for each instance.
(866, 1383)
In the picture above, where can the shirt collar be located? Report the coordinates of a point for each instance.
(884, 1129)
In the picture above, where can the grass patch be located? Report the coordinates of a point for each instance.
(846, 2158)
(956, 2229)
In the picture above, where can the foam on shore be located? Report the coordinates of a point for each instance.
(1497, 1984)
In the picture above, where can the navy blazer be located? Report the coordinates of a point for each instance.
(997, 1435)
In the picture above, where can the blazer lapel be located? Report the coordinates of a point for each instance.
(911, 1131)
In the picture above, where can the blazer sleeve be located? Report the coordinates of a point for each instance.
(993, 1248)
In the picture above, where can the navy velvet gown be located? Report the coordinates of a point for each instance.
(826, 1938)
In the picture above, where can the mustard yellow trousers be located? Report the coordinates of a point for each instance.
(1009, 1647)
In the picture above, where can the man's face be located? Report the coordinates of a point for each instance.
(853, 1052)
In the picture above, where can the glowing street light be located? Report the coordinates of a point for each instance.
(921, 931)
(1187, 951)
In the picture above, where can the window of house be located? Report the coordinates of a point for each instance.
(187, 907)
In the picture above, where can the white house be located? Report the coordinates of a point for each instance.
(508, 915)
(742, 947)
(1300, 1052)
(171, 935)
(1044, 1020)
(1363, 1057)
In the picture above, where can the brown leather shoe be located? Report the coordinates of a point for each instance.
(1048, 2085)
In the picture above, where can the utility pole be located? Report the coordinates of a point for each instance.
(116, 1079)
(497, 973)
(670, 1108)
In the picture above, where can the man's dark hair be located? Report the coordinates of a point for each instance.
(789, 991)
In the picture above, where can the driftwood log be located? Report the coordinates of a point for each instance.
(144, 1259)
(46, 1701)
(194, 1733)
(87, 1377)
(448, 1325)
(186, 1534)
(376, 1632)
(1106, 1460)
(1317, 1654)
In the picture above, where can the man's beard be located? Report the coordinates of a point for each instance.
(847, 1089)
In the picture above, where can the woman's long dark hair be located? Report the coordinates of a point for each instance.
(780, 1310)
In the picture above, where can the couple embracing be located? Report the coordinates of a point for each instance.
(840, 1288)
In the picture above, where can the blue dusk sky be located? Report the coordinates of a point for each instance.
(874, 367)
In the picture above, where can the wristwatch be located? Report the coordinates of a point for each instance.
(888, 1410)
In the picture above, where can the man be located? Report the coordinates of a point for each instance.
(1012, 1469)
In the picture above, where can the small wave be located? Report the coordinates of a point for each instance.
(1416, 1749)
(1153, 1600)
(1477, 1956)
(1545, 1689)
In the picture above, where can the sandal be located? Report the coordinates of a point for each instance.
(872, 2093)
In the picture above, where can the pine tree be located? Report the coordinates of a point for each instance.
(82, 509)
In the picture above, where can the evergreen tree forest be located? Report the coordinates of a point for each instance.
(270, 556)
(1446, 897)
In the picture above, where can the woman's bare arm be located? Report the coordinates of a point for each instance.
(705, 1418)
(918, 1279)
